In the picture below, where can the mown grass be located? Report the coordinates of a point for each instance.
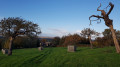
(59, 57)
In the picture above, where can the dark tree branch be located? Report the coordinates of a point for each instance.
(98, 18)
(103, 13)
(99, 7)
(112, 6)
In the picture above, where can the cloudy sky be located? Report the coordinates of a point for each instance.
(60, 17)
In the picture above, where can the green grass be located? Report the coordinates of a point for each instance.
(59, 57)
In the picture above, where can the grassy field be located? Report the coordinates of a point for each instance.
(59, 57)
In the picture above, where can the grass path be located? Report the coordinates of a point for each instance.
(59, 57)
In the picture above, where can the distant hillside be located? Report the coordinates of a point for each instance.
(47, 38)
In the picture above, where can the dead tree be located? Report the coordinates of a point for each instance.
(108, 22)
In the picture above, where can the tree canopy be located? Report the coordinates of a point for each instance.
(11, 27)
(88, 32)
(14, 26)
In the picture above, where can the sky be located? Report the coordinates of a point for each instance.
(60, 17)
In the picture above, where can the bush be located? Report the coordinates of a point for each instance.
(75, 40)
(103, 41)
(25, 42)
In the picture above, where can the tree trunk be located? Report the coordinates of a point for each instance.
(115, 39)
(10, 46)
(91, 46)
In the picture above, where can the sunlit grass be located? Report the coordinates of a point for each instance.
(59, 57)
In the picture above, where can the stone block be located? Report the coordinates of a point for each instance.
(5, 51)
(71, 48)
(40, 48)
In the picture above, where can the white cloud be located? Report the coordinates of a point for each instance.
(58, 32)
(52, 32)
(61, 31)
(78, 31)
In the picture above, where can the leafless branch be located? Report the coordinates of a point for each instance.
(102, 11)
(106, 8)
(98, 18)
(112, 6)
(99, 7)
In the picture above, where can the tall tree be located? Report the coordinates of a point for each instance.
(108, 22)
(11, 27)
(88, 33)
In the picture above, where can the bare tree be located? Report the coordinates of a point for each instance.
(87, 33)
(108, 22)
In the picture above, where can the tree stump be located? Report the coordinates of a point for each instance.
(71, 48)
(5, 51)
(40, 48)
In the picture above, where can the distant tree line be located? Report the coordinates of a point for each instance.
(82, 39)
(20, 42)
(107, 39)
(70, 39)
(74, 39)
